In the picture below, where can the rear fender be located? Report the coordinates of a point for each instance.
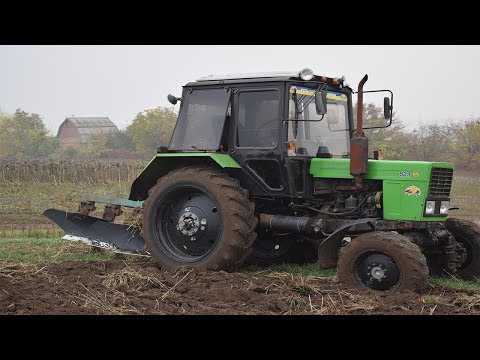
(163, 163)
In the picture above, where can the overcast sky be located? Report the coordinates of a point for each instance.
(430, 83)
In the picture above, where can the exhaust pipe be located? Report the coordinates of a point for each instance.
(283, 223)
(359, 143)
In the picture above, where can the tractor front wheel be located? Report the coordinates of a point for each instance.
(198, 217)
(383, 261)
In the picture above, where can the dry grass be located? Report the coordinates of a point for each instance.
(111, 301)
(119, 286)
(10, 270)
(468, 301)
(74, 171)
(21, 270)
(310, 295)
(130, 277)
(465, 195)
(133, 289)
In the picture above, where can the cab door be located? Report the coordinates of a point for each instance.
(257, 144)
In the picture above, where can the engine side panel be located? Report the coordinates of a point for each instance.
(405, 183)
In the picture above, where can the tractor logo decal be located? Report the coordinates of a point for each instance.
(408, 173)
(413, 190)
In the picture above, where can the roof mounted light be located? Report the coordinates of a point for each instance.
(306, 74)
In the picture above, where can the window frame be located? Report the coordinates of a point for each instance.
(237, 110)
(187, 92)
(286, 121)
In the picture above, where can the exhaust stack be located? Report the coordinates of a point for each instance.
(359, 143)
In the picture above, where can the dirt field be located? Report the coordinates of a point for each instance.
(118, 287)
(39, 274)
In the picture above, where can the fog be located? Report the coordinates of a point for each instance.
(430, 83)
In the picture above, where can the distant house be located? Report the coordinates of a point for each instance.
(76, 131)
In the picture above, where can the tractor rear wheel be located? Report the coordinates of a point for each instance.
(468, 234)
(198, 217)
(383, 261)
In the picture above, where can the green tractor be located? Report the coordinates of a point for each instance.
(267, 167)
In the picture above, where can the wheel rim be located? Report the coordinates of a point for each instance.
(377, 271)
(188, 225)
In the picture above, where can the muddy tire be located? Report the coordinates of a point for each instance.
(467, 233)
(383, 261)
(198, 217)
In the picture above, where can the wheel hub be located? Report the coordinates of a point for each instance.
(191, 221)
(188, 224)
(378, 271)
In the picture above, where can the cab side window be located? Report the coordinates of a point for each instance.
(258, 119)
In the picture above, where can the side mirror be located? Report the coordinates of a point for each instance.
(321, 102)
(172, 99)
(387, 109)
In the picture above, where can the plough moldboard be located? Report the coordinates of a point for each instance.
(102, 233)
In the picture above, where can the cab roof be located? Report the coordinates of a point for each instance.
(262, 77)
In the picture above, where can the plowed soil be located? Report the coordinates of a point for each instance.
(117, 287)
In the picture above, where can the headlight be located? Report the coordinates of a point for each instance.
(430, 207)
(444, 206)
(306, 74)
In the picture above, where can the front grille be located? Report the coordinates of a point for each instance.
(441, 182)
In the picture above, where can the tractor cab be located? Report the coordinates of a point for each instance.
(264, 111)
(267, 122)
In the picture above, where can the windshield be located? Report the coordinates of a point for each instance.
(329, 132)
(201, 120)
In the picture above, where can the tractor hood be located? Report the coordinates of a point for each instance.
(377, 169)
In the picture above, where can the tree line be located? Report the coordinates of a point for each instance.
(24, 134)
(454, 141)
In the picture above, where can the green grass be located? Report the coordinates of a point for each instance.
(432, 299)
(42, 250)
(455, 283)
(30, 232)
